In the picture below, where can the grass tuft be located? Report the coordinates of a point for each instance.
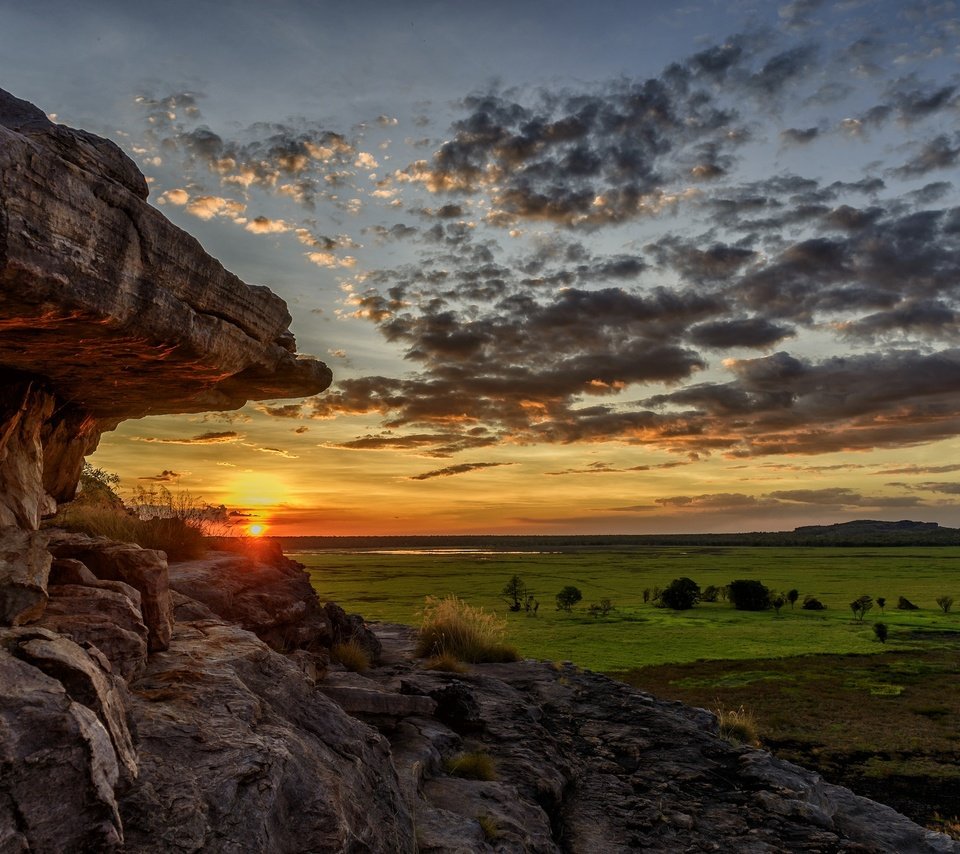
(738, 726)
(352, 656)
(446, 662)
(472, 766)
(488, 824)
(452, 627)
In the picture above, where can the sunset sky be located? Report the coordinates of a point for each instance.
(606, 267)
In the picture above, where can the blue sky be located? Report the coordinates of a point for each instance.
(576, 267)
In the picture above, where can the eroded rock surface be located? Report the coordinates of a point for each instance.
(91, 275)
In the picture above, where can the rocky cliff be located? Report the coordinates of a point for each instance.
(108, 311)
(147, 707)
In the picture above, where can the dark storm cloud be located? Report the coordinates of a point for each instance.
(461, 468)
(747, 332)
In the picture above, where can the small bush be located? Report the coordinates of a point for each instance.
(881, 603)
(472, 766)
(904, 604)
(738, 726)
(352, 656)
(778, 603)
(881, 631)
(711, 593)
(601, 608)
(445, 662)
(792, 596)
(945, 603)
(681, 594)
(452, 627)
(749, 595)
(568, 597)
(811, 603)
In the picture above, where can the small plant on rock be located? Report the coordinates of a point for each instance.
(351, 655)
(738, 726)
(475, 765)
(452, 627)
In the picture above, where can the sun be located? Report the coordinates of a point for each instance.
(257, 530)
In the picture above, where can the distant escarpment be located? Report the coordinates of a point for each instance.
(193, 707)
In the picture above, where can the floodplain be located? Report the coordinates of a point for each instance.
(824, 691)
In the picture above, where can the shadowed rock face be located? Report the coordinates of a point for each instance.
(108, 311)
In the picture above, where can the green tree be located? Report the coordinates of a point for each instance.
(860, 607)
(881, 603)
(568, 597)
(680, 594)
(946, 603)
(749, 595)
(881, 631)
(792, 596)
(778, 603)
(515, 593)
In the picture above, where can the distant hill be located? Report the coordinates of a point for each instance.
(863, 532)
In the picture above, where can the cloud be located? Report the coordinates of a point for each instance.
(461, 468)
(264, 225)
(213, 438)
(918, 469)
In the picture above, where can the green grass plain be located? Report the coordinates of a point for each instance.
(879, 718)
(392, 587)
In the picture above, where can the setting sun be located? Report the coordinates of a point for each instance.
(256, 530)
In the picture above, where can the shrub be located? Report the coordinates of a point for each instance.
(568, 597)
(881, 631)
(778, 603)
(681, 594)
(515, 593)
(601, 608)
(811, 603)
(646, 595)
(792, 596)
(860, 607)
(738, 726)
(451, 626)
(351, 655)
(881, 603)
(904, 604)
(945, 603)
(749, 595)
(710, 593)
(472, 766)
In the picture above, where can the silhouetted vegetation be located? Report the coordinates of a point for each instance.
(778, 603)
(945, 603)
(792, 596)
(904, 604)
(749, 595)
(881, 603)
(881, 631)
(811, 603)
(601, 608)
(680, 594)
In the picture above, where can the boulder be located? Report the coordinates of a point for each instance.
(145, 570)
(59, 759)
(24, 570)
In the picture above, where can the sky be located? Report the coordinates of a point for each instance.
(606, 267)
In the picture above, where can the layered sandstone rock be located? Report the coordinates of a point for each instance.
(108, 311)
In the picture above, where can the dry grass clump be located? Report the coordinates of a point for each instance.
(472, 766)
(445, 662)
(97, 521)
(352, 656)
(738, 726)
(488, 824)
(452, 627)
